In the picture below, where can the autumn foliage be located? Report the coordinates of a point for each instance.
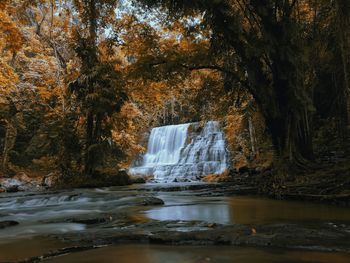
(82, 82)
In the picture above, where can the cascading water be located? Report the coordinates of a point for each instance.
(165, 145)
(183, 152)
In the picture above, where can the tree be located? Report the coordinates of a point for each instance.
(257, 45)
(342, 16)
(10, 43)
(99, 88)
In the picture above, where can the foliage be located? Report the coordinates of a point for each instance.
(265, 47)
(81, 82)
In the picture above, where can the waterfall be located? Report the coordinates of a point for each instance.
(165, 145)
(183, 152)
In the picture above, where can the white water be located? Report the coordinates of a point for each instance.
(165, 145)
(176, 154)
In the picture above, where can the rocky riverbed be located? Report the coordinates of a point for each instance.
(179, 214)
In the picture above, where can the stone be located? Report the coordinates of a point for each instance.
(243, 169)
(22, 177)
(12, 189)
(20, 182)
(91, 221)
(8, 223)
(50, 180)
(138, 180)
(152, 201)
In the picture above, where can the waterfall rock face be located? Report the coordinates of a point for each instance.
(183, 152)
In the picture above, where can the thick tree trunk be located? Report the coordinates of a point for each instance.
(289, 119)
(285, 113)
(291, 139)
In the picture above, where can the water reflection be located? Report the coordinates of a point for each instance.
(211, 213)
(192, 254)
(21, 248)
(52, 213)
(257, 210)
(245, 210)
(38, 229)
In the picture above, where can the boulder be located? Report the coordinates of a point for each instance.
(12, 189)
(22, 177)
(8, 223)
(10, 184)
(138, 180)
(50, 180)
(19, 182)
(152, 201)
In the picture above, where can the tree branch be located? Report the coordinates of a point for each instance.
(212, 67)
(194, 67)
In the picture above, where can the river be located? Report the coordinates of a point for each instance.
(53, 220)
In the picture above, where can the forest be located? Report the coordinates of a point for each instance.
(106, 93)
(82, 82)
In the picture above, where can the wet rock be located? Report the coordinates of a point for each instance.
(152, 201)
(90, 221)
(10, 185)
(174, 225)
(247, 170)
(84, 220)
(308, 236)
(50, 180)
(20, 182)
(22, 177)
(59, 252)
(243, 169)
(8, 223)
(138, 180)
(122, 178)
(12, 189)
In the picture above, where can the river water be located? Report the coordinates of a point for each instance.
(171, 254)
(43, 217)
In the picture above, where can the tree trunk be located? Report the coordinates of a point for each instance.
(287, 118)
(90, 63)
(343, 21)
(10, 140)
(291, 139)
(89, 156)
(252, 135)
